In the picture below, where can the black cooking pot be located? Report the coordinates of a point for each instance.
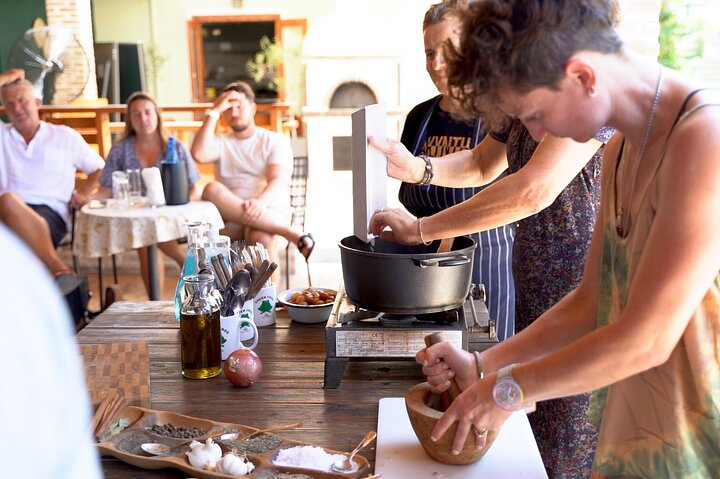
(394, 278)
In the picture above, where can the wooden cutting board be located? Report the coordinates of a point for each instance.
(121, 367)
(399, 453)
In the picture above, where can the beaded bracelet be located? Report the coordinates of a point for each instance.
(428, 174)
(420, 233)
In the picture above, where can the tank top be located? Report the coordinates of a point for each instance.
(663, 422)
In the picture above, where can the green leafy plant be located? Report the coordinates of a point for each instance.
(679, 44)
(154, 65)
(263, 67)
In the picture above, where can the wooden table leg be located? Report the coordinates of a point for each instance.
(153, 273)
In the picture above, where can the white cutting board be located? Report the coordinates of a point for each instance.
(369, 167)
(400, 456)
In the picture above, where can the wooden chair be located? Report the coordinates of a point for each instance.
(298, 202)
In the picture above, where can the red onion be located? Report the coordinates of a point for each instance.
(243, 367)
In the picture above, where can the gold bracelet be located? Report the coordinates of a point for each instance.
(478, 363)
(422, 240)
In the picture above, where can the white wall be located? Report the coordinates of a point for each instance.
(163, 23)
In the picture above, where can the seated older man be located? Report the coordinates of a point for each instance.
(253, 170)
(38, 161)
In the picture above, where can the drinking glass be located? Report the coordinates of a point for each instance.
(135, 182)
(121, 189)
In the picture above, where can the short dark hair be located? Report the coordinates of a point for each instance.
(241, 87)
(521, 45)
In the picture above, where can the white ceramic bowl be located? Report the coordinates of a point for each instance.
(306, 313)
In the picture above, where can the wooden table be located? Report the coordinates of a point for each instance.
(290, 389)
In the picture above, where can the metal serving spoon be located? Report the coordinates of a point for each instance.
(347, 464)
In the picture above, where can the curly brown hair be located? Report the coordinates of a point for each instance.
(521, 45)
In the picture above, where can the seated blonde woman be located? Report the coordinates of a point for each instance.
(144, 144)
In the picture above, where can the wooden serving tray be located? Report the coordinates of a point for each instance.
(125, 445)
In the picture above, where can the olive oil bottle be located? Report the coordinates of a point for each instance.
(200, 335)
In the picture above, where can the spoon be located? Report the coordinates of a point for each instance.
(245, 436)
(347, 464)
(240, 282)
(236, 292)
(158, 449)
(227, 296)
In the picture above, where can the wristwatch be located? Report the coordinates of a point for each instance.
(212, 113)
(508, 394)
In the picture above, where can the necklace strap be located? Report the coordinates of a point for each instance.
(623, 216)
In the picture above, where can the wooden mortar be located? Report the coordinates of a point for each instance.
(424, 410)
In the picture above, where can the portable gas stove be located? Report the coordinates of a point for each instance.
(359, 334)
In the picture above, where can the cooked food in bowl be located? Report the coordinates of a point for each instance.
(312, 297)
(308, 305)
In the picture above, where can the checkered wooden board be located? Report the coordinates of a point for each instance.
(121, 367)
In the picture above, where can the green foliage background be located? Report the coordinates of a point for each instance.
(679, 43)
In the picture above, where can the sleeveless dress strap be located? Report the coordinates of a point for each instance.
(683, 114)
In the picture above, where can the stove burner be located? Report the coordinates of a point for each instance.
(397, 318)
(359, 334)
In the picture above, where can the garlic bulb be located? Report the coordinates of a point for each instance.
(204, 456)
(234, 464)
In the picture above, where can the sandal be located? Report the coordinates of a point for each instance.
(305, 248)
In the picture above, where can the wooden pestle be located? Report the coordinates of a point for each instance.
(443, 401)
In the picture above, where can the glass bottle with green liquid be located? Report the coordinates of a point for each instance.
(195, 233)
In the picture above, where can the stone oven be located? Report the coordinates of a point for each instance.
(346, 68)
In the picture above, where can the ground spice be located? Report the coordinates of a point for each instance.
(283, 475)
(255, 445)
(130, 441)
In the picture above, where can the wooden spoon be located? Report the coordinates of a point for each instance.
(245, 436)
(445, 245)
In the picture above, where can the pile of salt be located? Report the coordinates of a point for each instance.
(310, 457)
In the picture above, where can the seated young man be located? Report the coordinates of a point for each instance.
(38, 162)
(253, 167)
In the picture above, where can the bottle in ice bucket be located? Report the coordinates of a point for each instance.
(200, 352)
(195, 232)
(173, 172)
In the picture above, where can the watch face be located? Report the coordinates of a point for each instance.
(508, 394)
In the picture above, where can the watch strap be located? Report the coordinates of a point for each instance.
(504, 383)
